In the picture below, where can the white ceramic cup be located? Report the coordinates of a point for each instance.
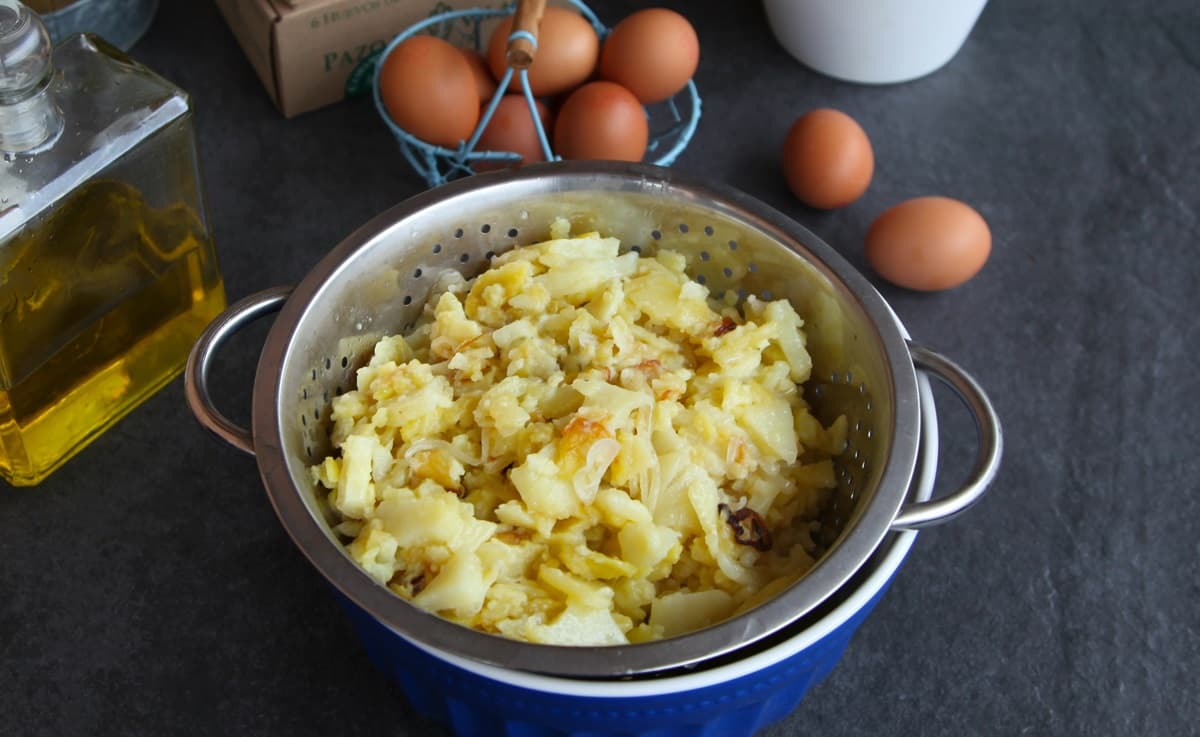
(873, 41)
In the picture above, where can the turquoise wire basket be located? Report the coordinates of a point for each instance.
(672, 122)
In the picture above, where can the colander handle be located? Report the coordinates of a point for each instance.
(195, 376)
(987, 462)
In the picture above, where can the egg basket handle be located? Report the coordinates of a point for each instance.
(987, 460)
(195, 375)
(522, 42)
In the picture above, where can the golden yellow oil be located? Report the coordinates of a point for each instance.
(100, 302)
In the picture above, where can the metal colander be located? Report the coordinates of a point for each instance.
(376, 281)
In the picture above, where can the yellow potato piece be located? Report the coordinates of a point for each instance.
(686, 611)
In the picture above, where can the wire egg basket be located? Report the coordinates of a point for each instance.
(672, 122)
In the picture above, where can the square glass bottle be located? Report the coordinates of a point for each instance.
(107, 267)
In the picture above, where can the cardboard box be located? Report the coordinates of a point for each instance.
(311, 53)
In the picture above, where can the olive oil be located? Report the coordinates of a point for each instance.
(107, 268)
(99, 306)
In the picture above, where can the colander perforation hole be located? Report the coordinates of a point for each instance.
(733, 245)
(490, 255)
(683, 227)
(328, 363)
(407, 299)
(656, 235)
(345, 361)
(752, 267)
(635, 248)
(458, 233)
(464, 257)
(304, 420)
(702, 279)
(417, 273)
(437, 248)
(705, 255)
(767, 294)
(513, 232)
(485, 228)
(708, 230)
(728, 272)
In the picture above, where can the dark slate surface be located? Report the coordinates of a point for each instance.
(147, 588)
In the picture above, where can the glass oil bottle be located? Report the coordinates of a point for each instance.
(107, 267)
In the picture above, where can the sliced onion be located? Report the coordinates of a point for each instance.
(424, 444)
(587, 479)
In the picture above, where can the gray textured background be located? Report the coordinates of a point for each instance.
(147, 589)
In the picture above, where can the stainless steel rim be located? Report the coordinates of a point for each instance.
(847, 556)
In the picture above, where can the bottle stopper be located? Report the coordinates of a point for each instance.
(25, 51)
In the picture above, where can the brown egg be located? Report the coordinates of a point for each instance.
(484, 84)
(428, 90)
(929, 243)
(601, 120)
(511, 129)
(827, 159)
(566, 55)
(653, 53)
